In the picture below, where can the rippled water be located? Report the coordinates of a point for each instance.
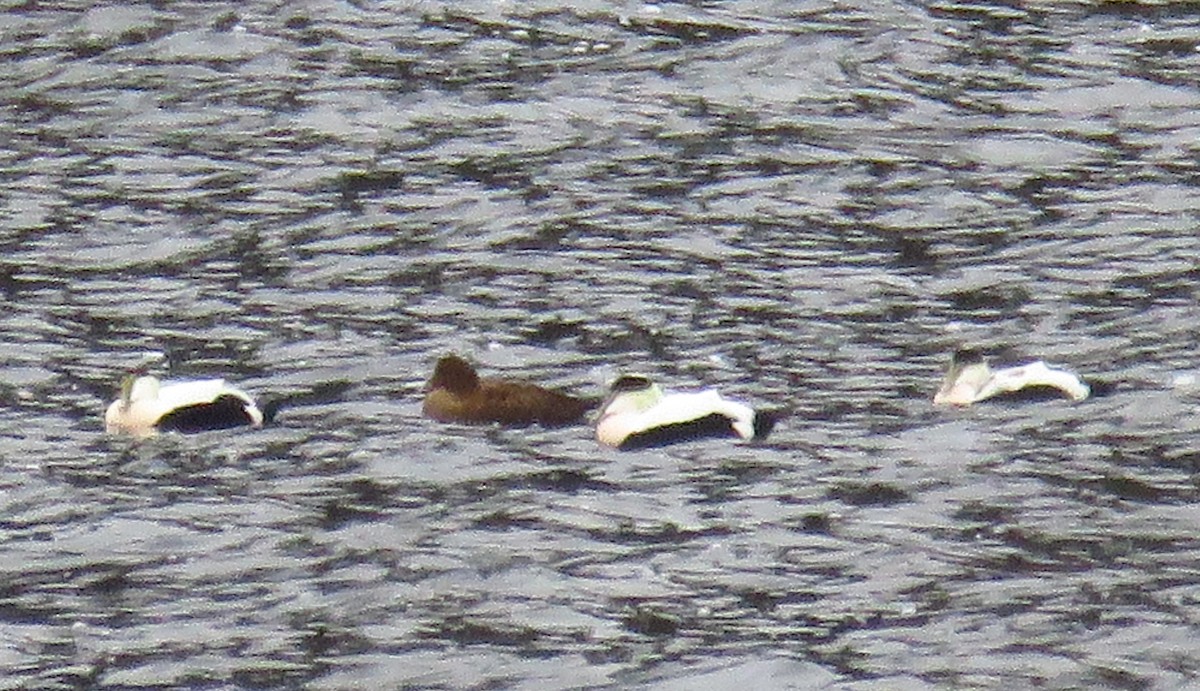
(807, 204)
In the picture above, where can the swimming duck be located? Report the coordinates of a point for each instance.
(147, 406)
(638, 415)
(970, 380)
(456, 393)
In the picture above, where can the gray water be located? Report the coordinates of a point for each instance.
(805, 204)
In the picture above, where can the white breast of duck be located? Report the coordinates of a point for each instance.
(638, 414)
(970, 380)
(147, 406)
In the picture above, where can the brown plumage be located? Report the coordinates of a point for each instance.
(455, 393)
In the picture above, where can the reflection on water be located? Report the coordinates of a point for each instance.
(807, 205)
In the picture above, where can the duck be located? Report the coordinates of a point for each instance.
(457, 394)
(970, 380)
(638, 414)
(148, 405)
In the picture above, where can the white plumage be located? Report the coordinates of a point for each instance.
(970, 380)
(638, 414)
(147, 406)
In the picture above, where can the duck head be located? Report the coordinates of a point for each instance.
(129, 413)
(631, 394)
(967, 375)
(453, 374)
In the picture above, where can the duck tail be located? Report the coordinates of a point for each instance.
(270, 409)
(764, 422)
(321, 393)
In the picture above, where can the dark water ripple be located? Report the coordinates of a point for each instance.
(807, 204)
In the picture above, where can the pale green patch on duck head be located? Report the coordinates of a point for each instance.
(631, 394)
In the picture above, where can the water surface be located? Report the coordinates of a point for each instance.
(808, 205)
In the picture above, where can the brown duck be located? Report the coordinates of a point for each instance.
(455, 393)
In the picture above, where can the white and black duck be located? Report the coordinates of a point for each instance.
(970, 380)
(147, 406)
(639, 414)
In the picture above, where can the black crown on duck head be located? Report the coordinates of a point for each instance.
(631, 382)
(967, 356)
